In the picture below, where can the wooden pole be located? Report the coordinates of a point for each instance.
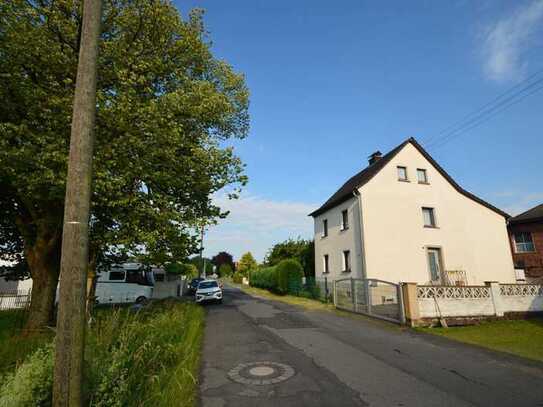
(70, 336)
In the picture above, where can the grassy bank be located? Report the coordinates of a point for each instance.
(14, 349)
(148, 358)
(523, 338)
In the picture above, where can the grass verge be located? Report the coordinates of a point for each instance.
(520, 337)
(307, 303)
(144, 358)
(14, 349)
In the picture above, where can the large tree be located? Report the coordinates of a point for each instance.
(299, 249)
(165, 106)
(223, 258)
(246, 264)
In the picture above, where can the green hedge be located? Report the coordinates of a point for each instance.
(285, 278)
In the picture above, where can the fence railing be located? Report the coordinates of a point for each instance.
(434, 291)
(14, 299)
(523, 290)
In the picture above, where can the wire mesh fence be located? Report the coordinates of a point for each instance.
(376, 298)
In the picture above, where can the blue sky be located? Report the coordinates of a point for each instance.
(331, 82)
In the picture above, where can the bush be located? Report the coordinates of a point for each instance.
(264, 277)
(237, 278)
(31, 384)
(289, 277)
(285, 278)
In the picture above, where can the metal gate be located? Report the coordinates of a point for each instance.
(376, 298)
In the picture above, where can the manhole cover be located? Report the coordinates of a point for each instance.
(261, 373)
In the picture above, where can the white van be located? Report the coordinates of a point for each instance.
(124, 283)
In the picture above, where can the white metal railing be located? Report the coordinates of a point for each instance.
(453, 292)
(522, 290)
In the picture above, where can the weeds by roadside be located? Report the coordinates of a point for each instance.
(148, 358)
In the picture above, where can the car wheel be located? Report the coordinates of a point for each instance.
(141, 300)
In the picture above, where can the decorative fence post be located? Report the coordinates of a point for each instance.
(410, 302)
(496, 297)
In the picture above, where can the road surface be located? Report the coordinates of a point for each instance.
(262, 353)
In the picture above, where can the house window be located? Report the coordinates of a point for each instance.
(524, 242)
(435, 263)
(402, 173)
(116, 275)
(422, 176)
(344, 220)
(346, 260)
(326, 264)
(325, 227)
(429, 217)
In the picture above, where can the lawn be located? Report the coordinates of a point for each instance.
(145, 358)
(521, 337)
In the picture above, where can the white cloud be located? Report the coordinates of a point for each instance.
(256, 223)
(505, 41)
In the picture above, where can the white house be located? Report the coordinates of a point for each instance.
(403, 218)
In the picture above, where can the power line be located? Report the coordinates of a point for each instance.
(482, 120)
(486, 109)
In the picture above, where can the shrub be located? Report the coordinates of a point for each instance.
(264, 277)
(289, 276)
(237, 278)
(31, 384)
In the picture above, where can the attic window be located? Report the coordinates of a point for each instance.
(422, 176)
(402, 174)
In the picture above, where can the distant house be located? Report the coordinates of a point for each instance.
(403, 218)
(526, 237)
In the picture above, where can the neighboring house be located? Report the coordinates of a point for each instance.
(403, 218)
(526, 236)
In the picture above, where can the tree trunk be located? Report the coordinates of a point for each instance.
(44, 262)
(42, 302)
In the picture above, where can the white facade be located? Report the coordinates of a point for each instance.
(390, 242)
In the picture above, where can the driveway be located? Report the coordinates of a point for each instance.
(261, 353)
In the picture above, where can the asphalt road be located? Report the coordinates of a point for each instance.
(266, 353)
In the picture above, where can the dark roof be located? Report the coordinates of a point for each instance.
(346, 191)
(531, 215)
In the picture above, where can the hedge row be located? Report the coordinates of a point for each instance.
(284, 278)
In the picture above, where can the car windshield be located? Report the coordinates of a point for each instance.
(208, 284)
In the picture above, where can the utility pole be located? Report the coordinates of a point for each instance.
(202, 263)
(70, 336)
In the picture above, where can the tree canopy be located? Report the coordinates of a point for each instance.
(299, 249)
(164, 107)
(246, 264)
(223, 258)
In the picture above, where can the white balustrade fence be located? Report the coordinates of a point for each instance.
(492, 299)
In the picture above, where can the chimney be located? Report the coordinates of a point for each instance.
(372, 159)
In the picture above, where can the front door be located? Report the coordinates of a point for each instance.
(434, 263)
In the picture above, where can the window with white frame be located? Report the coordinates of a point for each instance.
(326, 264)
(324, 227)
(429, 217)
(422, 176)
(524, 242)
(402, 173)
(346, 260)
(344, 219)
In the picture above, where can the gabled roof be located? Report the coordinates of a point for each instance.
(531, 215)
(346, 191)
